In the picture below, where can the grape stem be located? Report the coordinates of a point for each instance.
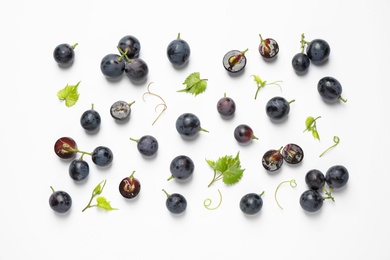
(68, 148)
(328, 193)
(164, 104)
(207, 202)
(336, 141)
(97, 191)
(236, 58)
(262, 83)
(74, 45)
(166, 193)
(293, 184)
(303, 42)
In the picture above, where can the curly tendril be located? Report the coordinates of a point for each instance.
(207, 202)
(163, 104)
(293, 184)
(336, 141)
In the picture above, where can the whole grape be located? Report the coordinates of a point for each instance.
(226, 106)
(78, 170)
(130, 45)
(90, 120)
(300, 63)
(102, 156)
(137, 70)
(311, 201)
(60, 201)
(112, 66)
(175, 203)
(147, 145)
(181, 167)
(315, 179)
(178, 52)
(129, 187)
(65, 147)
(188, 125)
(251, 203)
(337, 176)
(244, 134)
(64, 54)
(277, 108)
(318, 50)
(330, 89)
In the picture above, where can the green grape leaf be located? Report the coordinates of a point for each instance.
(227, 168)
(70, 94)
(309, 121)
(103, 203)
(315, 134)
(194, 84)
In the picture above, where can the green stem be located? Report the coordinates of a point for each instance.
(166, 193)
(170, 178)
(336, 141)
(291, 101)
(303, 42)
(135, 140)
(342, 99)
(207, 202)
(52, 188)
(293, 184)
(328, 193)
(74, 45)
(203, 130)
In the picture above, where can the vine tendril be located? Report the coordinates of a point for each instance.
(158, 105)
(293, 184)
(207, 202)
(336, 141)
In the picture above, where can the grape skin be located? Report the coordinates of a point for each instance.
(243, 133)
(337, 176)
(311, 201)
(62, 146)
(318, 50)
(176, 203)
(130, 45)
(329, 89)
(182, 167)
(78, 170)
(277, 108)
(137, 70)
(188, 124)
(64, 54)
(60, 201)
(120, 110)
(147, 145)
(112, 66)
(226, 107)
(90, 120)
(315, 179)
(178, 52)
(300, 63)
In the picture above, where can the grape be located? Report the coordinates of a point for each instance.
(178, 52)
(129, 187)
(60, 201)
(188, 125)
(130, 45)
(234, 61)
(90, 120)
(226, 106)
(337, 176)
(137, 70)
(300, 63)
(112, 66)
(277, 108)
(65, 147)
(102, 156)
(272, 160)
(78, 169)
(318, 50)
(311, 200)
(244, 134)
(147, 145)
(292, 153)
(251, 203)
(315, 179)
(268, 48)
(64, 54)
(330, 89)
(181, 167)
(121, 110)
(175, 203)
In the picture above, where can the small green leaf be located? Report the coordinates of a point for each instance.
(99, 188)
(309, 121)
(194, 84)
(315, 134)
(211, 163)
(70, 94)
(103, 203)
(229, 169)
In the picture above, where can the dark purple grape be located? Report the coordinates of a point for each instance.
(78, 169)
(292, 153)
(277, 108)
(178, 52)
(129, 45)
(64, 54)
(226, 106)
(137, 70)
(244, 134)
(330, 89)
(234, 61)
(129, 187)
(112, 66)
(300, 63)
(121, 110)
(102, 156)
(337, 176)
(147, 145)
(181, 167)
(188, 125)
(90, 120)
(251, 203)
(272, 160)
(60, 201)
(318, 50)
(315, 179)
(311, 201)
(175, 203)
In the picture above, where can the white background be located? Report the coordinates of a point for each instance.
(356, 226)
